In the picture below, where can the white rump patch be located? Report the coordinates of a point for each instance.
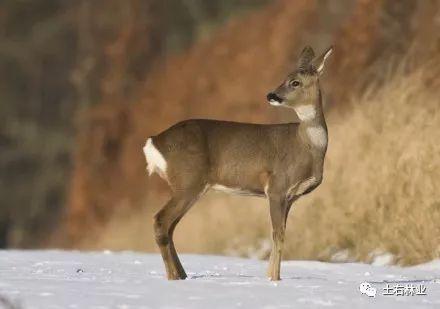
(155, 160)
(317, 136)
(306, 112)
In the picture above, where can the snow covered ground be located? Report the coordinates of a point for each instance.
(61, 279)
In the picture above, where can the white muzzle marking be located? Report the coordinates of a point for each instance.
(274, 103)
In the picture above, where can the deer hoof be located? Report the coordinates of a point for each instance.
(177, 276)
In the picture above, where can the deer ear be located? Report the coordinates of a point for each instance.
(306, 57)
(319, 62)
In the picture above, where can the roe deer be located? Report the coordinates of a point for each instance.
(278, 161)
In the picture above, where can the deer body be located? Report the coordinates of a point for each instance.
(278, 161)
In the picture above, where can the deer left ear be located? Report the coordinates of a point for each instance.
(306, 57)
(319, 62)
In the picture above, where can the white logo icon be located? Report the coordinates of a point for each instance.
(367, 289)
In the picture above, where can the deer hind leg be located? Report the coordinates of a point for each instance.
(176, 219)
(278, 213)
(165, 222)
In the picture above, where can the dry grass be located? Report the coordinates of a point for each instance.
(207, 228)
(380, 190)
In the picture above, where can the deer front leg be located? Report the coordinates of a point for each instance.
(278, 214)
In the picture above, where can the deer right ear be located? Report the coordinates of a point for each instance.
(306, 57)
(319, 62)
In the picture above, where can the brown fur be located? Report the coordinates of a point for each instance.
(277, 161)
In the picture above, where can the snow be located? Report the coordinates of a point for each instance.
(66, 279)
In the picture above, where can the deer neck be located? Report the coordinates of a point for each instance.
(312, 128)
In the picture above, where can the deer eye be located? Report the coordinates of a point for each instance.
(294, 83)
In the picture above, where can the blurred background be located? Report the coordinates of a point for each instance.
(84, 83)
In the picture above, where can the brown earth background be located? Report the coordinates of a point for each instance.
(138, 73)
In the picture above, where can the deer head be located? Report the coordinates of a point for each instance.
(300, 88)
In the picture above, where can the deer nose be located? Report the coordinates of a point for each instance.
(272, 97)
